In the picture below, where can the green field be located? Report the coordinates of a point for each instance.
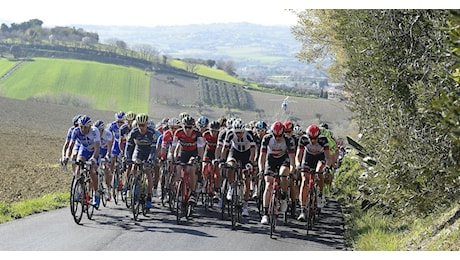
(6, 65)
(103, 86)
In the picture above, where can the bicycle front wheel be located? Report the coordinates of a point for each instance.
(234, 207)
(77, 199)
(272, 215)
(135, 199)
(89, 200)
(179, 203)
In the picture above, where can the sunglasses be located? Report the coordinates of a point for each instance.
(142, 125)
(278, 135)
(188, 127)
(313, 138)
(213, 130)
(174, 128)
(288, 132)
(120, 122)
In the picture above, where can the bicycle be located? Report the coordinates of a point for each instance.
(183, 191)
(224, 188)
(274, 204)
(209, 185)
(165, 181)
(238, 187)
(101, 183)
(117, 183)
(139, 189)
(260, 193)
(81, 193)
(312, 210)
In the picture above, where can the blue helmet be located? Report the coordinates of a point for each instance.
(99, 124)
(261, 125)
(120, 115)
(202, 121)
(84, 120)
(75, 119)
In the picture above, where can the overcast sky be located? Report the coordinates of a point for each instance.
(182, 12)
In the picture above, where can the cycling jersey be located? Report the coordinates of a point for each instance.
(312, 153)
(106, 139)
(275, 149)
(211, 145)
(240, 144)
(141, 146)
(188, 142)
(115, 130)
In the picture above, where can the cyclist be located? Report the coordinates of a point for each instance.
(187, 143)
(312, 151)
(277, 156)
(90, 143)
(156, 169)
(239, 146)
(124, 131)
(67, 141)
(106, 143)
(260, 130)
(141, 146)
(167, 138)
(202, 124)
(114, 128)
(211, 136)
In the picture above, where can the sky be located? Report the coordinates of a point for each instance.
(182, 12)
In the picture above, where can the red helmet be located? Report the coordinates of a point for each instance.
(313, 131)
(277, 128)
(288, 125)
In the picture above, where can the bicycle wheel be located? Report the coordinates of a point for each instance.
(89, 191)
(260, 196)
(272, 214)
(164, 190)
(115, 185)
(310, 210)
(102, 191)
(207, 196)
(128, 195)
(135, 199)
(77, 199)
(223, 197)
(179, 202)
(234, 205)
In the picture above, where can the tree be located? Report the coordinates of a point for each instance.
(399, 68)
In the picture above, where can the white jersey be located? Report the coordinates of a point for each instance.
(106, 138)
(242, 144)
(86, 141)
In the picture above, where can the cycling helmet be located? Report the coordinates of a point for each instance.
(120, 115)
(202, 121)
(164, 121)
(99, 124)
(313, 131)
(75, 119)
(238, 125)
(183, 115)
(214, 125)
(230, 122)
(84, 120)
(142, 118)
(277, 128)
(288, 125)
(188, 121)
(130, 115)
(151, 123)
(325, 125)
(261, 125)
(298, 130)
(223, 121)
(173, 122)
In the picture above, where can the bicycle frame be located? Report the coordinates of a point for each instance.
(184, 191)
(80, 191)
(139, 189)
(311, 207)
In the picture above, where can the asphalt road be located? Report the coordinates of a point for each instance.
(113, 229)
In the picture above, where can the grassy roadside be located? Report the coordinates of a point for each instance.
(372, 231)
(21, 209)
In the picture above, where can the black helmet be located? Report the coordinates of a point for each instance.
(214, 125)
(188, 120)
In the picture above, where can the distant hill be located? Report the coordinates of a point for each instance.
(257, 50)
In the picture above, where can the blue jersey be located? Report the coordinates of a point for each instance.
(142, 146)
(88, 141)
(115, 130)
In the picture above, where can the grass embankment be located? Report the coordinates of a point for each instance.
(372, 231)
(61, 81)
